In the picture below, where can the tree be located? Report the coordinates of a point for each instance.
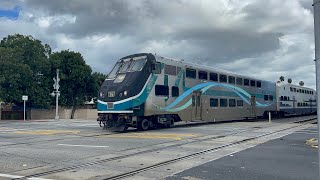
(99, 78)
(289, 80)
(281, 78)
(27, 60)
(77, 84)
(301, 83)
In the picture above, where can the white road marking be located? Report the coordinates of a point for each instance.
(15, 176)
(76, 145)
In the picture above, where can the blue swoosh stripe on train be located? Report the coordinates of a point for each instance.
(204, 87)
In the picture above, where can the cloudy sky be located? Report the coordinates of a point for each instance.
(265, 39)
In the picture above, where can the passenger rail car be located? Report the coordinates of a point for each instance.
(146, 90)
(296, 100)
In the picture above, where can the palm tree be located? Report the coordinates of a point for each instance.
(289, 80)
(301, 83)
(281, 78)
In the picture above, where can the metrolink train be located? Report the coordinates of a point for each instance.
(148, 91)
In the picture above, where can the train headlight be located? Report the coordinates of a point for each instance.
(102, 95)
(125, 93)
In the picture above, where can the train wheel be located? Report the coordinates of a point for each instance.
(143, 125)
(170, 123)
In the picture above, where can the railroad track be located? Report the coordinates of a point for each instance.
(197, 154)
(188, 141)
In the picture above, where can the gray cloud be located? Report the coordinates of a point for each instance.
(262, 38)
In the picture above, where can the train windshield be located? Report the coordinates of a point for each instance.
(137, 64)
(114, 71)
(125, 66)
(133, 64)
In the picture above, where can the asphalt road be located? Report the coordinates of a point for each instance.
(80, 149)
(286, 158)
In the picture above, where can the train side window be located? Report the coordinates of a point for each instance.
(170, 70)
(223, 103)
(285, 98)
(232, 103)
(239, 81)
(175, 91)
(291, 89)
(252, 83)
(270, 98)
(288, 98)
(213, 76)
(294, 90)
(232, 79)
(191, 73)
(281, 98)
(161, 90)
(259, 84)
(214, 102)
(266, 97)
(240, 103)
(246, 82)
(223, 78)
(203, 75)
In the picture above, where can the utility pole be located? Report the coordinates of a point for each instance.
(56, 93)
(316, 10)
(0, 109)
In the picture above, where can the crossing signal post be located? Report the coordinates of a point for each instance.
(56, 93)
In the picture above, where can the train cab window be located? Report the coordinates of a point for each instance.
(239, 81)
(170, 70)
(270, 98)
(213, 77)
(223, 78)
(161, 90)
(288, 98)
(232, 80)
(203, 75)
(281, 98)
(232, 103)
(214, 102)
(239, 103)
(246, 82)
(125, 67)
(114, 71)
(252, 83)
(259, 84)
(266, 98)
(191, 73)
(175, 91)
(285, 98)
(223, 102)
(138, 64)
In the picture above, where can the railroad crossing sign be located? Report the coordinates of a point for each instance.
(56, 85)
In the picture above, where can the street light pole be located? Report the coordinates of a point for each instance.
(316, 10)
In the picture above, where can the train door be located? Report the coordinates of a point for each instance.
(196, 105)
(253, 111)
